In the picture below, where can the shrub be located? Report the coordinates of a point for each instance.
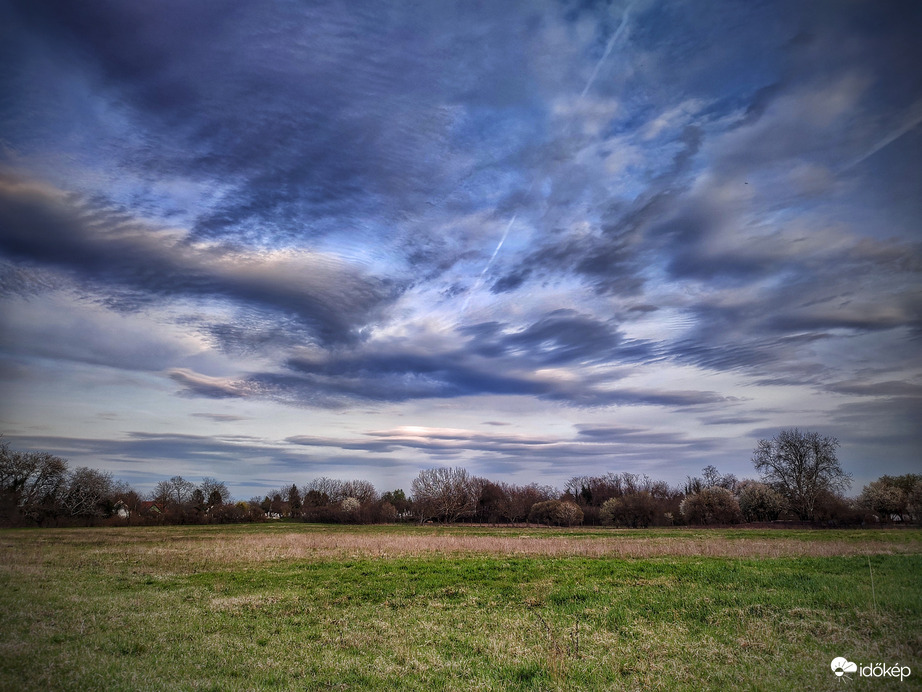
(914, 502)
(883, 499)
(834, 510)
(387, 513)
(634, 510)
(229, 514)
(569, 513)
(543, 512)
(556, 512)
(892, 497)
(711, 506)
(327, 514)
(758, 502)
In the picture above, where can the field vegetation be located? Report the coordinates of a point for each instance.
(295, 606)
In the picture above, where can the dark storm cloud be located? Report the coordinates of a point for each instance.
(613, 260)
(511, 281)
(772, 332)
(47, 228)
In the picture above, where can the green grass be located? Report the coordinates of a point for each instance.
(217, 608)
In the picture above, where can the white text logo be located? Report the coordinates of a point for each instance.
(842, 666)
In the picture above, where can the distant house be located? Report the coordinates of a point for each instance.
(148, 507)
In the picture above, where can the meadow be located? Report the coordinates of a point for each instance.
(288, 606)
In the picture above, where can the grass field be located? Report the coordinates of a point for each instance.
(303, 607)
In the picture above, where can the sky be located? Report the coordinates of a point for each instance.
(271, 241)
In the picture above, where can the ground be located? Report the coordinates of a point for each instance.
(301, 607)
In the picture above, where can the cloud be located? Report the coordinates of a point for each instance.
(303, 117)
(553, 358)
(890, 388)
(589, 442)
(212, 387)
(103, 248)
(244, 462)
(382, 207)
(221, 417)
(563, 356)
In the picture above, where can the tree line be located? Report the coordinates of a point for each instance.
(800, 479)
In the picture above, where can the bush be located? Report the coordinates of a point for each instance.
(711, 506)
(634, 510)
(556, 513)
(229, 514)
(883, 499)
(758, 502)
(834, 510)
(387, 513)
(570, 514)
(327, 514)
(894, 497)
(914, 502)
(592, 516)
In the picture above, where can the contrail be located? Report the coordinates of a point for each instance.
(489, 263)
(889, 139)
(608, 48)
(615, 37)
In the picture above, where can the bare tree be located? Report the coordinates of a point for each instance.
(712, 505)
(363, 491)
(30, 482)
(330, 488)
(800, 466)
(215, 492)
(758, 502)
(443, 493)
(175, 492)
(518, 500)
(86, 492)
(714, 479)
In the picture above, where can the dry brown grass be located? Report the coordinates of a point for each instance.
(304, 546)
(185, 549)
